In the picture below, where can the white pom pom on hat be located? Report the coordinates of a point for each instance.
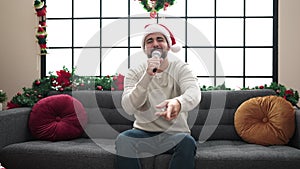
(160, 28)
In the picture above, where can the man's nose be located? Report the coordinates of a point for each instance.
(155, 43)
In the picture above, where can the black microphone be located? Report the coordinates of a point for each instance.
(156, 53)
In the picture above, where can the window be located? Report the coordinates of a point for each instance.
(231, 41)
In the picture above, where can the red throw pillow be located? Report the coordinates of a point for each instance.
(57, 117)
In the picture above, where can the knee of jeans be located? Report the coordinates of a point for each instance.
(188, 142)
(121, 139)
(124, 139)
(125, 146)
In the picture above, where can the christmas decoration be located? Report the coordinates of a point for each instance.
(64, 81)
(155, 5)
(1, 167)
(40, 9)
(119, 82)
(218, 87)
(41, 35)
(3, 96)
(42, 39)
(290, 95)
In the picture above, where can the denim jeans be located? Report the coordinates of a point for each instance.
(134, 144)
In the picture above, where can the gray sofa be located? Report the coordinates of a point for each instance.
(212, 124)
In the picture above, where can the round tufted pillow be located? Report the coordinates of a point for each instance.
(57, 117)
(268, 120)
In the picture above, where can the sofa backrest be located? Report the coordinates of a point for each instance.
(213, 118)
(215, 113)
(106, 117)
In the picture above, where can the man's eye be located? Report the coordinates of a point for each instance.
(149, 41)
(160, 39)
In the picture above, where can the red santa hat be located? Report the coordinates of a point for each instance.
(154, 28)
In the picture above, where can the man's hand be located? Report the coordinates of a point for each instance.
(153, 62)
(170, 109)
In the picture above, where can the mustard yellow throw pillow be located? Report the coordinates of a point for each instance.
(268, 120)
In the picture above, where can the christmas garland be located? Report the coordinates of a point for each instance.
(155, 5)
(290, 95)
(41, 35)
(3, 96)
(64, 81)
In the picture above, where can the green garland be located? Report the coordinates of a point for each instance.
(66, 80)
(290, 95)
(3, 96)
(158, 5)
(63, 81)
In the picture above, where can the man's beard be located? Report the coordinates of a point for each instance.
(164, 53)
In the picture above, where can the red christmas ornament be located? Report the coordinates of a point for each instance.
(37, 82)
(41, 29)
(99, 87)
(11, 105)
(166, 5)
(41, 12)
(43, 46)
(153, 14)
(42, 23)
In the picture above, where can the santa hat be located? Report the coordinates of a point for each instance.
(154, 28)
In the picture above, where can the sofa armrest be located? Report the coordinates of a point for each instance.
(14, 126)
(295, 141)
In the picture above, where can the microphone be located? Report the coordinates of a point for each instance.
(156, 53)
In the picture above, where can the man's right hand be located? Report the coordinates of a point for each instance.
(153, 63)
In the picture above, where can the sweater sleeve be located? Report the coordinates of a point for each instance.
(190, 89)
(134, 97)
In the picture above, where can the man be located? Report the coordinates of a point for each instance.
(159, 94)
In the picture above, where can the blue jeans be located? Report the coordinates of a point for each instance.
(134, 144)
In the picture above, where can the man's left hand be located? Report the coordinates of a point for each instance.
(170, 109)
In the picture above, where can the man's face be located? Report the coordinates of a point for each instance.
(156, 41)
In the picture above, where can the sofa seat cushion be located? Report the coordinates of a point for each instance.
(76, 154)
(240, 150)
(58, 117)
(99, 153)
(226, 154)
(268, 120)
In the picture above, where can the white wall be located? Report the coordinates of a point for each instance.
(19, 62)
(289, 43)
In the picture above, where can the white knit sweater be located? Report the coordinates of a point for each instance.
(143, 92)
